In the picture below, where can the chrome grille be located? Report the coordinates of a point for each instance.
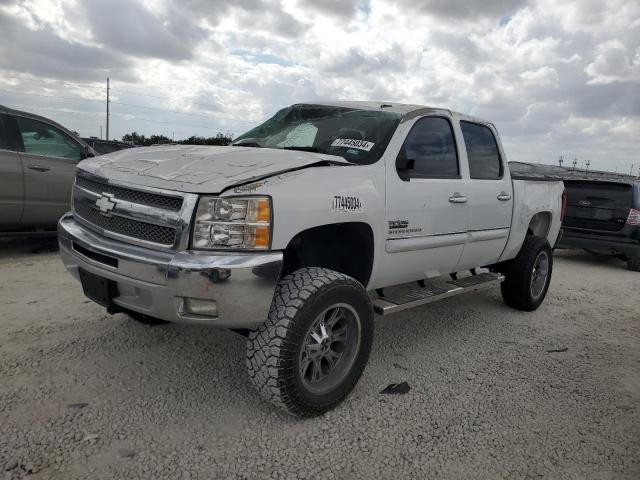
(136, 196)
(127, 227)
(149, 218)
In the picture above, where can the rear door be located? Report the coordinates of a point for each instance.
(11, 181)
(597, 205)
(490, 196)
(49, 157)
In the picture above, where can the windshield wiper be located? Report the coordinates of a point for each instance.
(249, 142)
(304, 149)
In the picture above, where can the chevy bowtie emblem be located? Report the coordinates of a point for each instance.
(105, 204)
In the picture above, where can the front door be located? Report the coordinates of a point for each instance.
(490, 197)
(49, 159)
(427, 215)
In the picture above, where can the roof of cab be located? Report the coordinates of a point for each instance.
(404, 109)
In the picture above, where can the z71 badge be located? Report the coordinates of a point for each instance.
(346, 204)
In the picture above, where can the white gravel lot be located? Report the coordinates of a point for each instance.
(87, 395)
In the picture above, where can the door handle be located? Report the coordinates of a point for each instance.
(38, 168)
(504, 197)
(457, 198)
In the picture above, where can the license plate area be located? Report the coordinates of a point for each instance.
(99, 289)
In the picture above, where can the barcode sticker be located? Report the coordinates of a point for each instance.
(350, 143)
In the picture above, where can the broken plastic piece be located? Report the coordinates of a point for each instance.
(558, 350)
(396, 389)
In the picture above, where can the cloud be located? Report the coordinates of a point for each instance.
(464, 9)
(42, 52)
(338, 8)
(614, 62)
(130, 28)
(557, 78)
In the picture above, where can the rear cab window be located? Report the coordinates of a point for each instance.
(483, 154)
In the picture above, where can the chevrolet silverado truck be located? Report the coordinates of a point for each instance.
(304, 227)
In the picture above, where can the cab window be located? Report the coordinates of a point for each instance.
(430, 150)
(40, 138)
(482, 151)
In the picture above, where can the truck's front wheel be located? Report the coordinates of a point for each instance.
(528, 275)
(313, 348)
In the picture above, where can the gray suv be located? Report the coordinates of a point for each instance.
(38, 160)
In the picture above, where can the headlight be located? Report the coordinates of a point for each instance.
(233, 223)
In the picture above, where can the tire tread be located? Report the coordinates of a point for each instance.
(270, 349)
(516, 286)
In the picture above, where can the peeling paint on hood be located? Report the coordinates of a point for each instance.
(199, 169)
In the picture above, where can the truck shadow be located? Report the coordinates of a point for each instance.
(207, 365)
(16, 247)
(590, 259)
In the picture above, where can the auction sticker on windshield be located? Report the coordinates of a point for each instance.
(350, 143)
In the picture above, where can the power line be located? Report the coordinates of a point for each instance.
(142, 119)
(54, 96)
(134, 106)
(161, 109)
(56, 83)
(183, 113)
(95, 87)
(214, 107)
(128, 117)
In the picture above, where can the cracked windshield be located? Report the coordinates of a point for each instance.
(358, 136)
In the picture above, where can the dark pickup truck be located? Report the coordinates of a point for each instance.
(603, 216)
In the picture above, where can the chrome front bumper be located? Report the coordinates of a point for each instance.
(156, 283)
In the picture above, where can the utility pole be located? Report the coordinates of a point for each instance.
(631, 170)
(575, 162)
(560, 160)
(100, 132)
(107, 108)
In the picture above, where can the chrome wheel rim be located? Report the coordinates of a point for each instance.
(539, 274)
(330, 348)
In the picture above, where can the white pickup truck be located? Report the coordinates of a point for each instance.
(306, 226)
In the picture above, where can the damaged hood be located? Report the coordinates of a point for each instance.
(200, 169)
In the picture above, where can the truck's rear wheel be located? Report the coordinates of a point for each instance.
(313, 348)
(528, 275)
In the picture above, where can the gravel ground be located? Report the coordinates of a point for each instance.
(495, 393)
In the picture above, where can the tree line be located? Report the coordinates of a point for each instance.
(143, 140)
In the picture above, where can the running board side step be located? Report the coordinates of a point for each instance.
(421, 296)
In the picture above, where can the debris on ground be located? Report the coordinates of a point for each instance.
(396, 389)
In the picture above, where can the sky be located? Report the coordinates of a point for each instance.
(557, 77)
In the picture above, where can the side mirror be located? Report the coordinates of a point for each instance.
(86, 153)
(404, 166)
